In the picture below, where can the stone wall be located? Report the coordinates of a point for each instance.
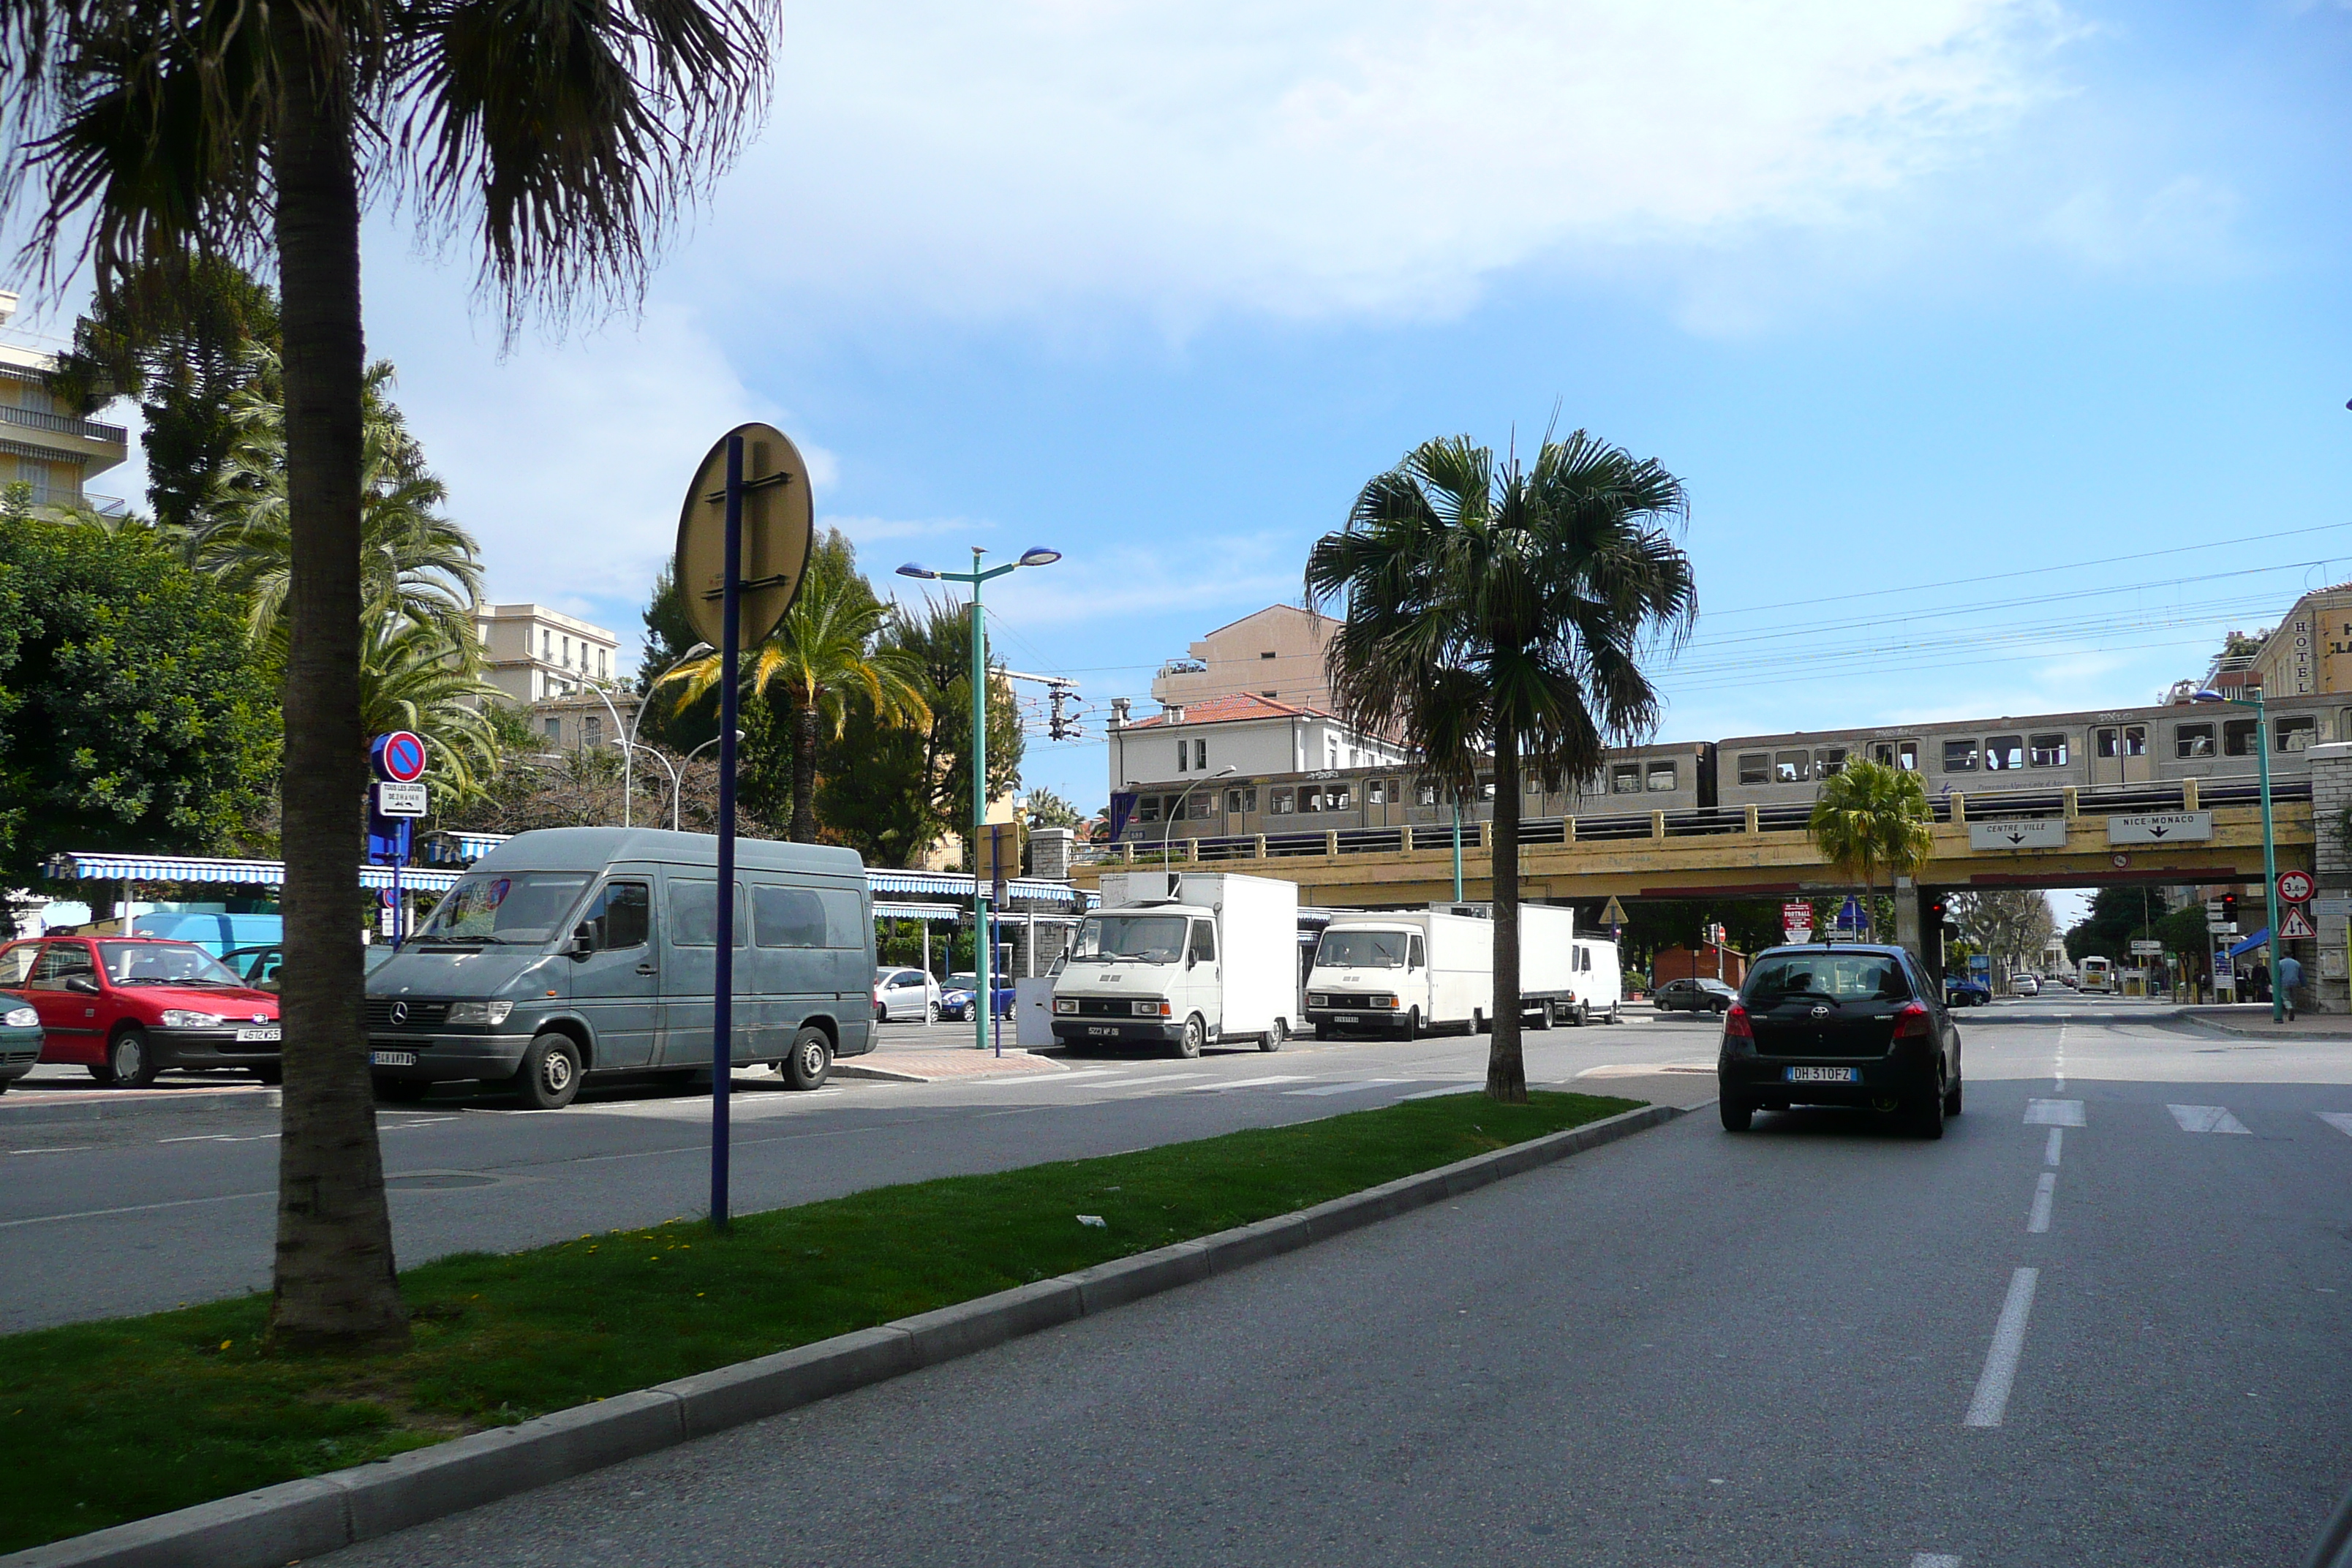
(2324, 961)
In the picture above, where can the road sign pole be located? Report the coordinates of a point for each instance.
(2269, 852)
(983, 987)
(722, 995)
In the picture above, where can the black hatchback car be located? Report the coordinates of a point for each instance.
(1840, 1024)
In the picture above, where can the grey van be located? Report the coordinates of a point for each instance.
(573, 951)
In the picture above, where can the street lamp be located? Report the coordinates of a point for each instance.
(1168, 830)
(984, 990)
(2270, 846)
(677, 776)
(629, 741)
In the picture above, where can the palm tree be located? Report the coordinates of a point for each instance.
(824, 657)
(411, 678)
(1869, 817)
(563, 138)
(1504, 612)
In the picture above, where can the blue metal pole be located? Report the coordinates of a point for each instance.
(722, 994)
(983, 992)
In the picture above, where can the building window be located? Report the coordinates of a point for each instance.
(1755, 768)
(2238, 737)
(2192, 740)
(1791, 767)
(1265, 694)
(2295, 734)
(591, 730)
(1240, 802)
(2004, 753)
(1625, 778)
(1278, 803)
(1663, 778)
(1959, 756)
(1828, 762)
(1183, 755)
(1199, 754)
(555, 729)
(567, 653)
(546, 646)
(1899, 754)
(1266, 656)
(2046, 750)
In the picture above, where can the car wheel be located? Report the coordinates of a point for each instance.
(1477, 1022)
(1276, 1034)
(401, 1091)
(130, 1060)
(1583, 1013)
(1412, 1023)
(1615, 1013)
(881, 1012)
(549, 1079)
(273, 1075)
(1188, 1044)
(1952, 1098)
(1721, 1006)
(811, 1057)
(1738, 1113)
(1928, 1115)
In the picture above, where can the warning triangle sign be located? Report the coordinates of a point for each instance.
(2295, 924)
(1614, 915)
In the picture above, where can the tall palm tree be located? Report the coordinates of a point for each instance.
(824, 657)
(1504, 612)
(411, 678)
(1871, 818)
(563, 138)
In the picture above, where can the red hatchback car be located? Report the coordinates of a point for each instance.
(129, 1007)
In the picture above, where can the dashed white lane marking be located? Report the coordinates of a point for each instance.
(2339, 1119)
(60, 1149)
(1355, 1088)
(2054, 1113)
(1933, 1560)
(1991, 1400)
(1249, 1082)
(2061, 1066)
(1158, 1077)
(1450, 1088)
(134, 1208)
(2038, 1222)
(2051, 1151)
(2206, 1118)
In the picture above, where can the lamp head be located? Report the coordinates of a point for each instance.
(913, 569)
(1222, 773)
(700, 651)
(1038, 555)
(2206, 694)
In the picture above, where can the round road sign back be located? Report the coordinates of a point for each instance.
(778, 517)
(399, 756)
(2296, 886)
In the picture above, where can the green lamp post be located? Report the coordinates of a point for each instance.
(2270, 842)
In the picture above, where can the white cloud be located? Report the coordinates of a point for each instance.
(1322, 157)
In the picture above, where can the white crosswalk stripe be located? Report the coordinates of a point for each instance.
(1353, 1087)
(2206, 1118)
(2339, 1119)
(2054, 1113)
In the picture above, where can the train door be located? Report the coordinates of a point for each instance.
(2119, 754)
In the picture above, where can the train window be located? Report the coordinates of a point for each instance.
(2103, 743)
(1535, 784)
(2046, 750)
(1338, 797)
(1310, 800)
(1791, 767)
(1239, 801)
(1485, 789)
(2004, 753)
(2135, 739)
(1428, 794)
(1959, 756)
(1204, 805)
(1376, 792)
(1902, 754)
(1664, 777)
(1829, 762)
(2295, 734)
(2192, 740)
(1755, 768)
(1148, 809)
(1625, 778)
(1278, 803)
(2238, 737)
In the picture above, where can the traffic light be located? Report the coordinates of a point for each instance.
(2228, 908)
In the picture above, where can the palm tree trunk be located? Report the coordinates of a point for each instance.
(1506, 1069)
(334, 1288)
(803, 772)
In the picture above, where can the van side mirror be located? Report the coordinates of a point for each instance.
(583, 943)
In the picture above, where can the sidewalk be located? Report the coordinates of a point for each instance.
(56, 1092)
(2251, 1021)
(931, 1064)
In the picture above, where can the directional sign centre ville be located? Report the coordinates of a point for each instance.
(2024, 833)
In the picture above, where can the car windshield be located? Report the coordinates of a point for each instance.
(1152, 938)
(1362, 950)
(1828, 976)
(163, 963)
(522, 907)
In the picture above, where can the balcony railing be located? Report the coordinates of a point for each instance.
(65, 425)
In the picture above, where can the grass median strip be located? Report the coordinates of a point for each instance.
(102, 1423)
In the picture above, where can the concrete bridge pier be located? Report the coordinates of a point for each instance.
(2324, 970)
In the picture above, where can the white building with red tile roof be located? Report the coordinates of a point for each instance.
(1241, 732)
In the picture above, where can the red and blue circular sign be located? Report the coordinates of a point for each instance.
(398, 756)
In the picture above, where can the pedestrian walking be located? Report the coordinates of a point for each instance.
(2290, 979)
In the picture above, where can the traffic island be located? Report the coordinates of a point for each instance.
(529, 1367)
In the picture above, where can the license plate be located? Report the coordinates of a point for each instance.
(1344, 1018)
(1103, 1029)
(269, 1033)
(393, 1058)
(1825, 1075)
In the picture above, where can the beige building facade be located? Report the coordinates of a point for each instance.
(534, 654)
(1277, 653)
(2307, 654)
(52, 451)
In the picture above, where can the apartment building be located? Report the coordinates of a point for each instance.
(52, 451)
(1277, 653)
(555, 666)
(2309, 652)
(1244, 731)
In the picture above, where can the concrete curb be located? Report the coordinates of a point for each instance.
(104, 1106)
(310, 1518)
(2217, 1028)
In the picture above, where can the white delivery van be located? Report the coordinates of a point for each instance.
(1548, 972)
(1401, 973)
(1183, 959)
(1597, 985)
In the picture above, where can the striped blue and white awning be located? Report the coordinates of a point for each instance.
(958, 885)
(465, 846)
(931, 914)
(206, 869)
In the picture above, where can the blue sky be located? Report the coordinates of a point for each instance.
(1907, 294)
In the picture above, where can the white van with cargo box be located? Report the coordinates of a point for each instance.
(1183, 959)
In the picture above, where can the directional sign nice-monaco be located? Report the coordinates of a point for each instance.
(2161, 828)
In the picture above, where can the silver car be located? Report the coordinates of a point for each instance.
(905, 994)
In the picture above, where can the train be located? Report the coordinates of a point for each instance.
(2022, 761)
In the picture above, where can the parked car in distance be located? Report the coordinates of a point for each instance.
(20, 1037)
(129, 1007)
(903, 993)
(258, 966)
(955, 997)
(1960, 991)
(1850, 1024)
(1694, 997)
(2026, 985)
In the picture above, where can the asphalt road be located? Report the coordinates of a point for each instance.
(2101, 1321)
(104, 1218)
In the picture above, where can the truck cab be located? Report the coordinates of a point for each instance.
(1199, 959)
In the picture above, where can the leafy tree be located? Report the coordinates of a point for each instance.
(1047, 809)
(563, 139)
(669, 639)
(1502, 611)
(2116, 916)
(133, 716)
(1871, 818)
(175, 332)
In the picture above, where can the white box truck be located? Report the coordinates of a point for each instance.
(1183, 959)
(1565, 978)
(1403, 972)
